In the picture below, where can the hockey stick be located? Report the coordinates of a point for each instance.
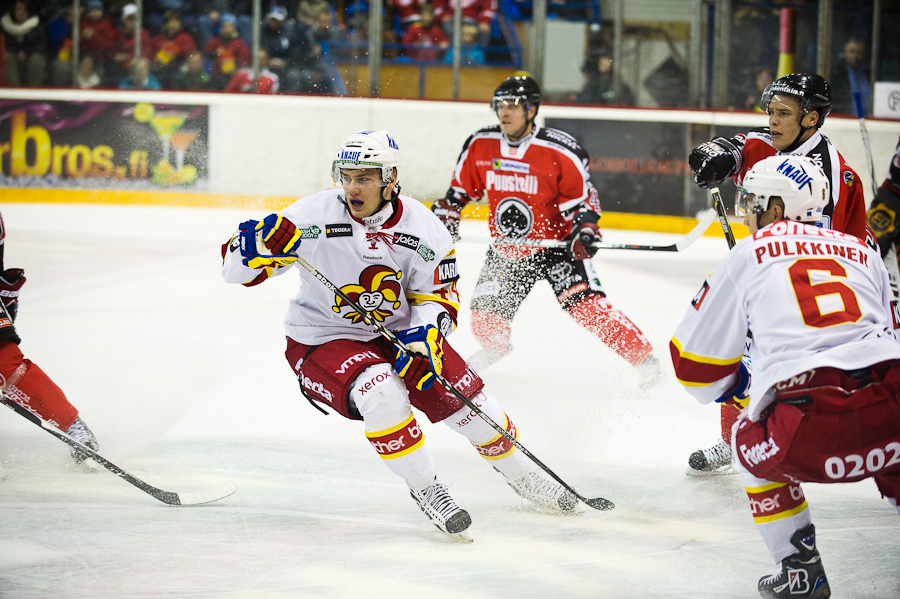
(207, 495)
(680, 245)
(598, 503)
(723, 216)
(857, 98)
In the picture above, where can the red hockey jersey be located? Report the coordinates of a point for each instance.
(533, 189)
(846, 211)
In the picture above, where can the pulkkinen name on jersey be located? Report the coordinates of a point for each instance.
(500, 182)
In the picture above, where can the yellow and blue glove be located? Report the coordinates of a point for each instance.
(737, 395)
(426, 359)
(276, 234)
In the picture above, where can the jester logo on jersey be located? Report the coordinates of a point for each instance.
(373, 291)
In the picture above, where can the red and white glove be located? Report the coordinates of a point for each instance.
(585, 233)
(11, 280)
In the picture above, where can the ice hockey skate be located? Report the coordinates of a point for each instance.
(649, 372)
(81, 433)
(715, 461)
(801, 575)
(482, 359)
(544, 493)
(443, 512)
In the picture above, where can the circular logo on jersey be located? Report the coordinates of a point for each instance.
(514, 217)
(445, 323)
(560, 272)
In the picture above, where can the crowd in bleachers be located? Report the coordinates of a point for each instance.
(205, 45)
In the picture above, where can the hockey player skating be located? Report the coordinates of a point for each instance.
(797, 105)
(538, 187)
(390, 255)
(22, 380)
(825, 391)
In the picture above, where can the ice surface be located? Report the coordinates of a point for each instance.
(183, 380)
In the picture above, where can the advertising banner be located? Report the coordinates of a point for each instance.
(103, 145)
(641, 167)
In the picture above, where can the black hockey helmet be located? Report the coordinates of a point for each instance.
(520, 88)
(811, 90)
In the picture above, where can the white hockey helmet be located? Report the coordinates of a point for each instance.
(798, 181)
(368, 149)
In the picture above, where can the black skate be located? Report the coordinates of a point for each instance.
(802, 575)
(443, 512)
(715, 461)
(81, 433)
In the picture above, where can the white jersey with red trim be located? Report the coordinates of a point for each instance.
(533, 188)
(401, 267)
(812, 297)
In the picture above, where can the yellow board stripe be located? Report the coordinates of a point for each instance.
(781, 515)
(407, 451)
(393, 429)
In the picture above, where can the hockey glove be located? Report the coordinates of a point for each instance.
(248, 233)
(426, 359)
(737, 395)
(11, 280)
(714, 160)
(448, 211)
(279, 235)
(585, 234)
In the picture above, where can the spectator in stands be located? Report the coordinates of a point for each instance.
(119, 67)
(87, 77)
(427, 36)
(471, 53)
(849, 77)
(243, 81)
(329, 36)
(481, 13)
(26, 46)
(170, 48)
(598, 87)
(308, 11)
(96, 37)
(209, 22)
(139, 76)
(762, 80)
(227, 51)
(357, 18)
(408, 12)
(292, 53)
(192, 75)
(157, 12)
(59, 33)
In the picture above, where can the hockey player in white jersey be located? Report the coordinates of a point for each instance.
(392, 256)
(824, 396)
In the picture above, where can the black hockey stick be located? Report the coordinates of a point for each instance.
(207, 495)
(720, 209)
(598, 503)
(678, 246)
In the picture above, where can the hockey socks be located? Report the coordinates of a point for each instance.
(596, 314)
(730, 413)
(391, 428)
(487, 442)
(25, 383)
(492, 331)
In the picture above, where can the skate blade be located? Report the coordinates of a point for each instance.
(462, 537)
(723, 471)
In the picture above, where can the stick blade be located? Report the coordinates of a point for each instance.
(598, 503)
(207, 494)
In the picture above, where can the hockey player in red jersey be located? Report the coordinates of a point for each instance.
(824, 396)
(797, 105)
(21, 379)
(537, 187)
(390, 254)
(884, 219)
